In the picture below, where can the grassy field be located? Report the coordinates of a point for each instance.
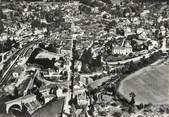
(150, 84)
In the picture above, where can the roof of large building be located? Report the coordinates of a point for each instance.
(122, 48)
(52, 109)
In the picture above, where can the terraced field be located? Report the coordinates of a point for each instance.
(150, 84)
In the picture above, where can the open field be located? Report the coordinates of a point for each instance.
(150, 84)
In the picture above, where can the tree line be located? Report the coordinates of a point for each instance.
(7, 45)
(131, 66)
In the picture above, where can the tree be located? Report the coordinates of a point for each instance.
(1, 27)
(86, 59)
(131, 54)
(86, 56)
(120, 31)
(35, 23)
(132, 95)
(133, 66)
(8, 45)
(107, 29)
(51, 48)
(42, 45)
(76, 55)
(38, 83)
(98, 60)
(107, 68)
(62, 61)
(1, 13)
(107, 1)
(113, 23)
(144, 61)
(85, 9)
(16, 92)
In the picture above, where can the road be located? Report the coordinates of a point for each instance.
(68, 95)
(132, 59)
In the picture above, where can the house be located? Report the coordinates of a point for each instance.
(122, 50)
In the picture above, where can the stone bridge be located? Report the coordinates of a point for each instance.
(17, 103)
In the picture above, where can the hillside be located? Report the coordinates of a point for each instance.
(150, 85)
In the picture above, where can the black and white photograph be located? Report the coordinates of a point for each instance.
(84, 58)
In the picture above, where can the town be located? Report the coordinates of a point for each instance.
(84, 58)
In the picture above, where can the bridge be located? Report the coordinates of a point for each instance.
(29, 101)
(17, 103)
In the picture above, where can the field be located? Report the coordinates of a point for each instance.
(150, 84)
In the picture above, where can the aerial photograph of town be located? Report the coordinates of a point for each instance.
(84, 58)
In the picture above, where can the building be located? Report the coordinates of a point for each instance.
(122, 50)
(50, 74)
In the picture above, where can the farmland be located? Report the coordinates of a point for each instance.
(150, 85)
